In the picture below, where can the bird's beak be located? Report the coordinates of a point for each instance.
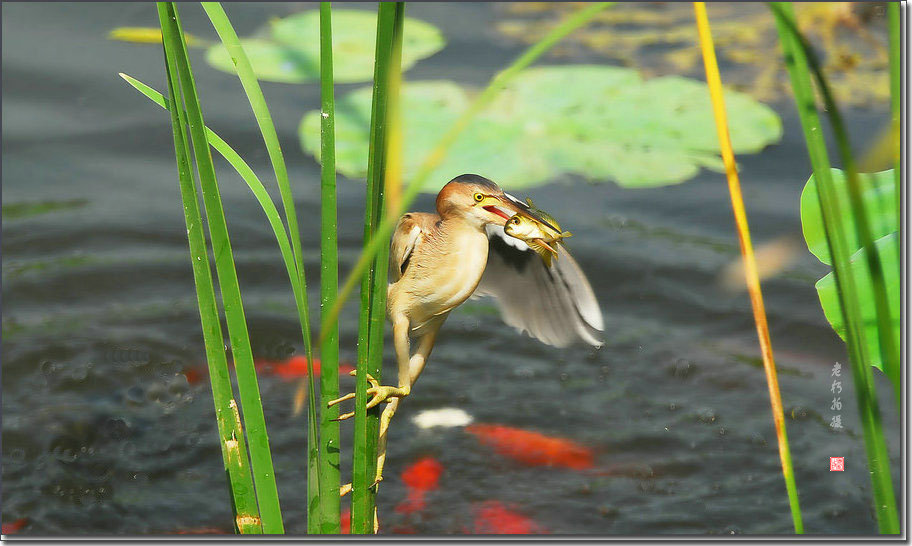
(506, 208)
(501, 206)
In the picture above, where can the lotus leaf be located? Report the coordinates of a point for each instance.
(291, 52)
(600, 122)
(879, 196)
(829, 299)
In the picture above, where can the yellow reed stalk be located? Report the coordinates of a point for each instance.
(714, 82)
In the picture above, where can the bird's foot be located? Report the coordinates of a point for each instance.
(378, 393)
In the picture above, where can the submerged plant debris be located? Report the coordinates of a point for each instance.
(662, 37)
(601, 122)
(16, 211)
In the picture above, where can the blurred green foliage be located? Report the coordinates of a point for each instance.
(600, 122)
(289, 49)
(880, 201)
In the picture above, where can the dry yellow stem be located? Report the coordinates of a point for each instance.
(752, 277)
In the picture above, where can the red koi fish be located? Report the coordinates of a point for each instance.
(14, 526)
(533, 448)
(345, 521)
(292, 368)
(493, 518)
(420, 478)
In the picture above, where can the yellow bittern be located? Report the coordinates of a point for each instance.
(437, 261)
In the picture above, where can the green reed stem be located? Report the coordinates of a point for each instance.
(260, 109)
(233, 446)
(247, 174)
(373, 283)
(796, 59)
(260, 455)
(329, 283)
(889, 343)
(380, 240)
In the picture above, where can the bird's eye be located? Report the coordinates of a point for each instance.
(478, 197)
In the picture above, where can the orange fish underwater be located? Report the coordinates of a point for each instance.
(292, 368)
(345, 521)
(420, 478)
(14, 526)
(533, 448)
(494, 518)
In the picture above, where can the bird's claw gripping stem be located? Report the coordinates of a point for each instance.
(378, 393)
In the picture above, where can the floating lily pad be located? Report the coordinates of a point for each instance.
(829, 298)
(879, 197)
(291, 51)
(600, 122)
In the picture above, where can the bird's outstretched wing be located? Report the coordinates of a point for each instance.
(554, 304)
(409, 232)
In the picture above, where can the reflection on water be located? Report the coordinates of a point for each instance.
(103, 431)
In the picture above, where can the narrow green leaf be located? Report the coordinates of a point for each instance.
(260, 109)
(329, 280)
(249, 177)
(232, 443)
(260, 455)
(373, 285)
(246, 173)
(888, 339)
(797, 62)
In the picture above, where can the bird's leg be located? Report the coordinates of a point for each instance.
(382, 393)
(409, 370)
(401, 343)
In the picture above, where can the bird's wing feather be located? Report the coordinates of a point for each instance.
(554, 304)
(410, 230)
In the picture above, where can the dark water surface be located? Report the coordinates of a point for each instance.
(103, 434)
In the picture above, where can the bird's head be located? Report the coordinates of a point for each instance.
(478, 200)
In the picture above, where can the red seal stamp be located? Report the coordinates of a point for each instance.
(837, 464)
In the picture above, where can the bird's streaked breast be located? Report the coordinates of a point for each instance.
(444, 272)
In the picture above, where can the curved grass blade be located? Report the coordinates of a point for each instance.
(246, 173)
(797, 63)
(329, 282)
(231, 435)
(714, 82)
(260, 456)
(383, 231)
(260, 109)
